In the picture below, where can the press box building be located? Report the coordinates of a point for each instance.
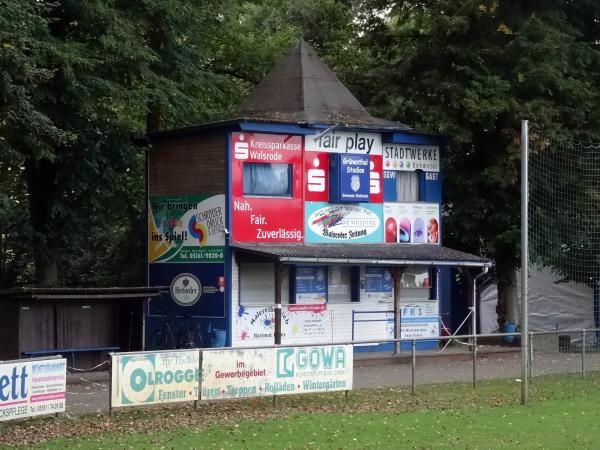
(303, 220)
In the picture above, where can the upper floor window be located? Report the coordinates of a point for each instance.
(407, 186)
(265, 179)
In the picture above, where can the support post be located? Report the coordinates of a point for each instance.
(110, 380)
(277, 304)
(474, 362)
(531, 356)
(582, 353)
(397, 277)
(524, 259)
(413, 365)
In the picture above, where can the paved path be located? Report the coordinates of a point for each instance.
(89, 392)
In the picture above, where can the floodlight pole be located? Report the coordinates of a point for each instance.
(524, 260)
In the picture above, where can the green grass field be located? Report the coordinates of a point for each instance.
(563, 414)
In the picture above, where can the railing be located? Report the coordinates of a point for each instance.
(562, 351)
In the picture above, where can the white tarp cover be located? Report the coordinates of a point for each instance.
(552, 305)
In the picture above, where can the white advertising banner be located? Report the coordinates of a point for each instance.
(411, 157)
(276, 371)
(32, 388)
(157, 377)
(299, 324)
(419, 319)
(412, 223)
(344, 142)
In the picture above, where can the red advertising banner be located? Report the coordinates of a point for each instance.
(266, 185)
(316, 186)
(376, 179)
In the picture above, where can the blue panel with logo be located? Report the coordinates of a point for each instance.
(349, 178)
(196, 290)
(191, 312)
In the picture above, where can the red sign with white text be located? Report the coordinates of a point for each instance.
(266, 185)
(376, 179)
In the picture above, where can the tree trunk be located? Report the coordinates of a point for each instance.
(153, 117)
(41, 187)
(508, 305)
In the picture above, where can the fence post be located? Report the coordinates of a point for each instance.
(583, 353)
(110, 383)
(413, 364)
(474, 361)
(531, 356)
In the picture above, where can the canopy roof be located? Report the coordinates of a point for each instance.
(368, 254)
(62, 293)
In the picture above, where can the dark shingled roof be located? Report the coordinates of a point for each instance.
(302, 89)
(371, 254)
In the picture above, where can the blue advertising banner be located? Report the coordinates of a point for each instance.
(349, 178)
(311, 284)
(196, 290)
(327, 223)
(378, 279)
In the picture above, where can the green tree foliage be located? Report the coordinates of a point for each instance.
(470, 71)
(80, 82)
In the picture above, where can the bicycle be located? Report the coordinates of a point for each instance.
(189, 335)
(163, 338)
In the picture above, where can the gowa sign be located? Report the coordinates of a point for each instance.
(275, 371)
(32, 388)
(158, 377)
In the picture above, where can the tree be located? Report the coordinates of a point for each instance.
(76, 81)
(470, 71)
(81, 83)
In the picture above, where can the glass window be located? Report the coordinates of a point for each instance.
(407, 187)
(267, 179)
(340, 284)
(416, 283)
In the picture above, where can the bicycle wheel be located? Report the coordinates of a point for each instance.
(158, 340)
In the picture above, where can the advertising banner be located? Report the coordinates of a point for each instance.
(266, 184)
(411, 157)
(358, 223)
(32, 388)
(255, 325)
(349, 181)
(419, 319)
(195, 290)
(345, 142)
(316, 174)
(157, 377)
(411, 223)
(186, 229)
(276, 371)
(378, 284)
(311, 284)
